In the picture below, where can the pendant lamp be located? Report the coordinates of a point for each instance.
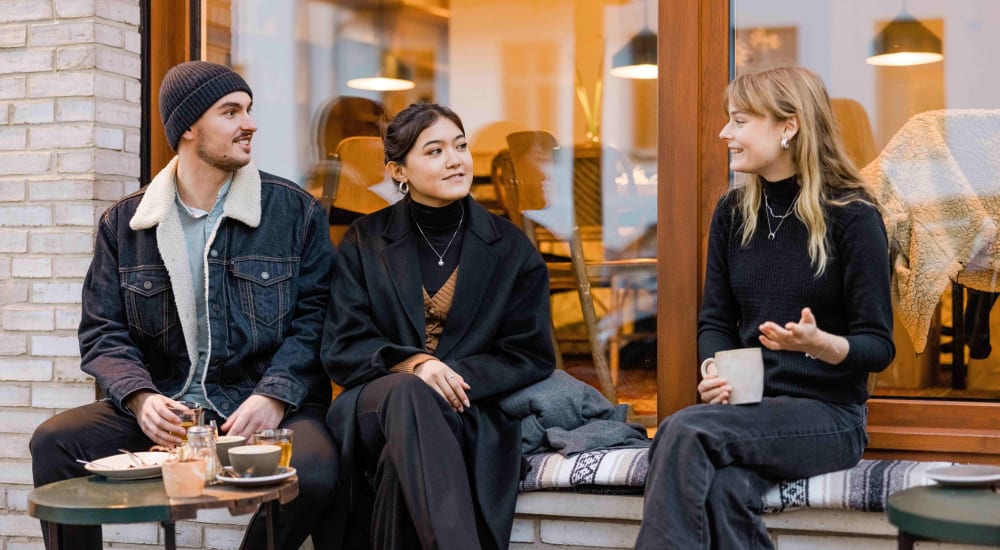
(393, 74)
(637, 59)
(905, 41)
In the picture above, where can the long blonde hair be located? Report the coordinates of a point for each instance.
(819, 157)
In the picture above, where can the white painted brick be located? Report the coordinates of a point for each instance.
(133, 91)
(131, 186)
(118, 113)
(13, 241)
(16, 544)
(13, 138)
(76, 58)
(55, 346)
(65, 214)
(133, 42)
(133, 140)
(109, 138)
(60, 190)
(19, 525)
(67, 136)
(25, 10)
(117, 10)
(4, 112)
(5, 262)
(25, 163)
(62, 242)
(108, 35)
(13, 292)
(30, 370)
(14, 395)
(33, 112)
(76, 162)
(109, 86)
(56, 293)
(140, 533)
(13, 36)
(589, 533)
(221, 538)
(118, 62)
(13, 344)
(17, 498)
(74, 8)
(188, 534)
(60, 34)
(68, 319)
(70, 266)
(109, 190)
(61, 395)
(16, 471)
(74, 110)
(25, 216)
(32, 268)
(221, 516)
(27, 318)
(12, 87)
(60, 84)
(523, 530)
(68, 370)
(26, 61)
(11, 190)
(116, 163)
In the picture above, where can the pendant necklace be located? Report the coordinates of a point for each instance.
(440, 256)
(781, 218)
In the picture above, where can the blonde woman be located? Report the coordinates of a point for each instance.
(798, 265)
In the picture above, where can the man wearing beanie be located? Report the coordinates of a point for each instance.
(209, 285)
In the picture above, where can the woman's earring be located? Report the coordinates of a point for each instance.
(404, 187)
(784, 143)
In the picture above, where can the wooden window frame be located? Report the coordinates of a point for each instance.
(694, 44)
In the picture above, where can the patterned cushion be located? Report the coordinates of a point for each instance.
(864, 487)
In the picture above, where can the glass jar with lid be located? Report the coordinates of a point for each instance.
(201, 440)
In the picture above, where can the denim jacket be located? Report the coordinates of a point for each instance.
(268, 266)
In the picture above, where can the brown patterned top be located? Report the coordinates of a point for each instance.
(436, 310)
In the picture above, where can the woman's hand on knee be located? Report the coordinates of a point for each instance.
(713, 389)
(449, 384)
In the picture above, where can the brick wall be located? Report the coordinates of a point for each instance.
(69, 146)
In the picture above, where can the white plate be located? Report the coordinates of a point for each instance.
(122, 467)
(283, 473)
(966, 474)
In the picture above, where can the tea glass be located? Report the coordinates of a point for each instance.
(191, 414)
(281, 437)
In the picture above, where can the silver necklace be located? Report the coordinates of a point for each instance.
(767, 205)
(451, 240)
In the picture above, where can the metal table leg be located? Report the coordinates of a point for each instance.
(169, 536)
(270, 521)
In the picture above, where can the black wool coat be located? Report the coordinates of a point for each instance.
(496, 337)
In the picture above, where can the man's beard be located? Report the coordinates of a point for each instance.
(223, 163)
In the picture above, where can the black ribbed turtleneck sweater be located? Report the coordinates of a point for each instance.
(772, 280)
(439, 225)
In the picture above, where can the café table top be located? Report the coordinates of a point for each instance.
(95, 500)
(968, 515)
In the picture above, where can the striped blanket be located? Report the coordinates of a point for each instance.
(864, 487)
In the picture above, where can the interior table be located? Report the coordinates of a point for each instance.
(96, 500)
(969, 515)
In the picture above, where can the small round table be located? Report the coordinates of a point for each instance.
(969, 515)
(96, 500)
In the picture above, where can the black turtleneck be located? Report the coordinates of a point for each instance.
(440, 226)
(772, 280)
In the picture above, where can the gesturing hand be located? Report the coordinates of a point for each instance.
(448, 383)
(152, 411)
(802, 336)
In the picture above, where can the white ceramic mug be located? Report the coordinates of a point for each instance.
(743, 370)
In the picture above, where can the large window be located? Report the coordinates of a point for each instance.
(552, 94)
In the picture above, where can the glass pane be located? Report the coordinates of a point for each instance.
(926, 135)
(533, 83)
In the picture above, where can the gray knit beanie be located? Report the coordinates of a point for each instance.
(189, 89)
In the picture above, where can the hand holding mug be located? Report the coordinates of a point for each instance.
(738, 377)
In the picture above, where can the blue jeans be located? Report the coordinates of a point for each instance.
(710, 466)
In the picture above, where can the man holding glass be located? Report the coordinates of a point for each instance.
(208, 286)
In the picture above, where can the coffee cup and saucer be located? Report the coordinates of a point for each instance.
(254, 465)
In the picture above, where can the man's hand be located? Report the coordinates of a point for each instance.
(448, 383)
(155, 419)
(258, 412)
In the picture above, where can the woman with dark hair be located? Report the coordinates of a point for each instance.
(438, 309)
(798, 264)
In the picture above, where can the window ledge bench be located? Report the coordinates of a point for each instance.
(839, 510)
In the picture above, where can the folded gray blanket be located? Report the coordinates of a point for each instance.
(565, 415)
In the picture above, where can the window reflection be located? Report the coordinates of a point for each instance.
(925, 134)
(520, 67)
